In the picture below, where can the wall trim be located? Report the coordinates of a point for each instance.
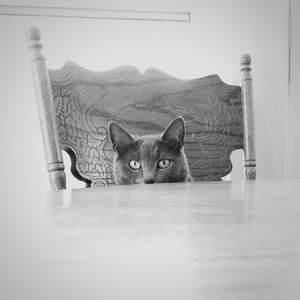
(290, 103)
(94, 13)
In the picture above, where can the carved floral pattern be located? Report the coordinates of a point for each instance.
(86, 101)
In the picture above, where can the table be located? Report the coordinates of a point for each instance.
(216, 240)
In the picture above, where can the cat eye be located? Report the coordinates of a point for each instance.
(163, 164)
(134, 164)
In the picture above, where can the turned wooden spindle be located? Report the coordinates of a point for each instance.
(46, 112)
(248, 115)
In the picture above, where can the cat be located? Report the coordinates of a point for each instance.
(150, 158)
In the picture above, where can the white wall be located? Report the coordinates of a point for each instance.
(261, 28)
(213, 42)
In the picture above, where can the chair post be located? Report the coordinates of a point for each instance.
(248, 118)
(46, 112)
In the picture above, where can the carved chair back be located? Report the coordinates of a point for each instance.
(75, 106)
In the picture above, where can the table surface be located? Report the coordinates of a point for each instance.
(217, 240)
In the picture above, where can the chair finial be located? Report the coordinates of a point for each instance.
(246, 60)
(33, 34)
(33, 37)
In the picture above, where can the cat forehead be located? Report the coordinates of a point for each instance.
(149, 143)
(148, 139)
(153, 146)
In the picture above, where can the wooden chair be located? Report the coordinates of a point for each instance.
(75, 106)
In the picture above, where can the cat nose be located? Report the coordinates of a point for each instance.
(148, 180)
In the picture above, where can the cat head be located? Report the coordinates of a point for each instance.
(149, 158)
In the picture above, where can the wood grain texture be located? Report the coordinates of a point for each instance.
(248, 114)
(204, 240)
(86, 101)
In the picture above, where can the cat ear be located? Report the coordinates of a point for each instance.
(119, 136)
(175, 131)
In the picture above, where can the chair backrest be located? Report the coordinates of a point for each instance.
(75, 106)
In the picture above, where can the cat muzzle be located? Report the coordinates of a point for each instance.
(149, 180)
